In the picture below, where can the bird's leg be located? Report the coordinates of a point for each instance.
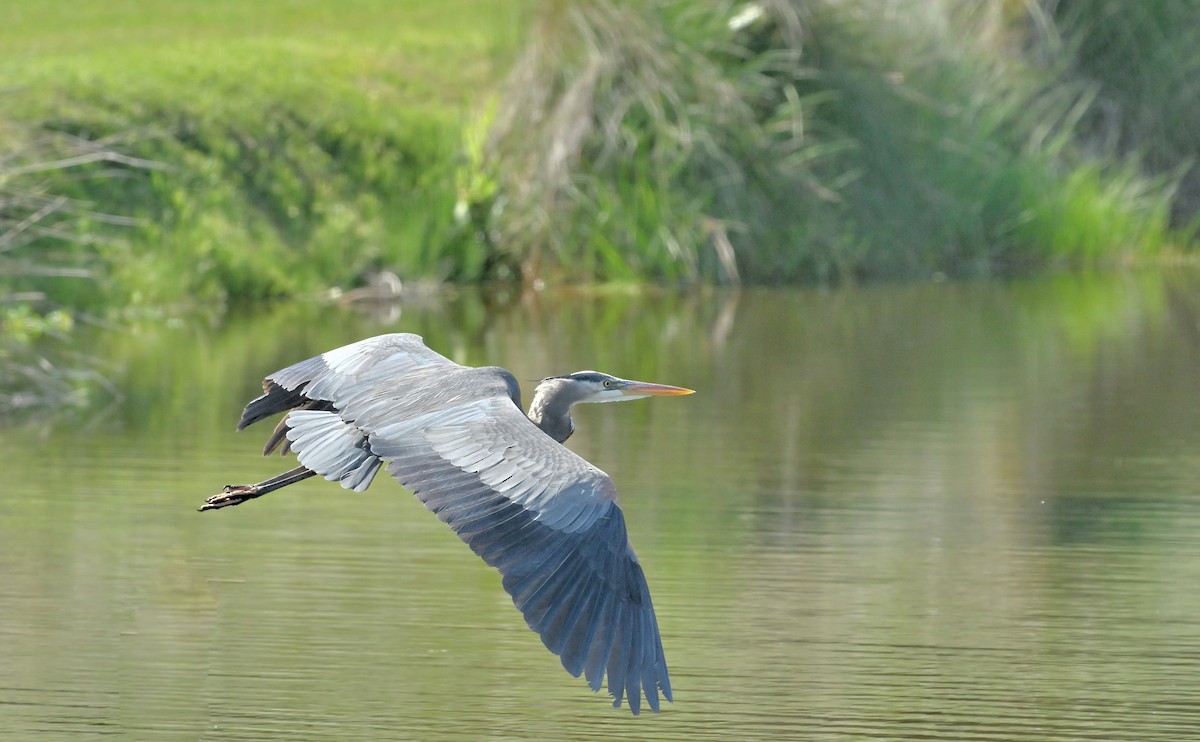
(236, 494)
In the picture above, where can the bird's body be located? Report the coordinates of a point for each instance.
(456, 436)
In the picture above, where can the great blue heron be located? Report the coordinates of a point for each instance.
(456, 436)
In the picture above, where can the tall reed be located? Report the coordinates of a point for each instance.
(1143, 60)
(792, 140)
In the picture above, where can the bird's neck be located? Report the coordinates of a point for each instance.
(551, 413)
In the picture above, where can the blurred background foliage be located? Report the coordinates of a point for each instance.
(787, 141)
(174, 158)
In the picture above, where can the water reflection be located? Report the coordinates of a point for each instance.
(955, 511)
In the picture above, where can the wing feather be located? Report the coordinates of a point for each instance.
(622, 649)
(601, 649)
(579, 639)
(542, 516)
(561, 610)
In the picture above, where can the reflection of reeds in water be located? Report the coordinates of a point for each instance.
(801, 139)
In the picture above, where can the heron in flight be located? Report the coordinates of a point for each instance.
(456, 436)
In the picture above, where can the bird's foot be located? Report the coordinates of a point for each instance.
(232, 494)
(236, 494)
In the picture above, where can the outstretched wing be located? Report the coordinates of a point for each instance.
(544, 517)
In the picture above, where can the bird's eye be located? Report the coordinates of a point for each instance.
(607, 383)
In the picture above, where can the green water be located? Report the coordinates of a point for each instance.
(956, 511)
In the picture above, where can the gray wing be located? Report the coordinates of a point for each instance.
(313, 380)
(538, 513)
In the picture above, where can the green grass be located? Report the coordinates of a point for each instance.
(1144, 62)
(970, 163)
(172, 156)
(818, 142)
(443, 52)
(306, 144)
(310, 144)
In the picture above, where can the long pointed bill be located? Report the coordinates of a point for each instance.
(646, 389)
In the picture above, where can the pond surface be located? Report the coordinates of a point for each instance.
(956, 511)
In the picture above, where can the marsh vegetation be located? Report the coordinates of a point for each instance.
(774, 141)
(258, 152)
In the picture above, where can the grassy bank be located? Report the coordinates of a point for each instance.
(303, 144)
(798, 140)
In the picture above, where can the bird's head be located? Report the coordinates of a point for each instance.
(593, 386)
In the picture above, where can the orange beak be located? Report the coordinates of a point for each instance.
(646, 389)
